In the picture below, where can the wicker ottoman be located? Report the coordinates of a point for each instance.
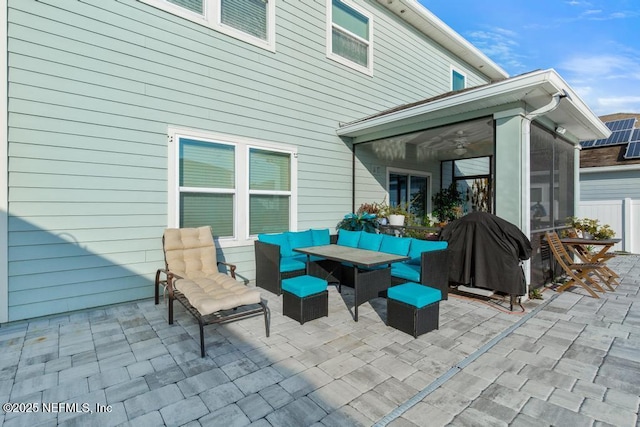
(413, 308)
(305, 298)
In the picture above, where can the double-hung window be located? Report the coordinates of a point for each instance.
(458, 80)
(239, 187)
(349, 35)
(252, 21)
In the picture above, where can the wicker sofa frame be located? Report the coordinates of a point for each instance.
(268, 275)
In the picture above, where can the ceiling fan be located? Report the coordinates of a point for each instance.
(460, 142)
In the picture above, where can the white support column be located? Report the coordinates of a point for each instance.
(576, 179)
(627, 227)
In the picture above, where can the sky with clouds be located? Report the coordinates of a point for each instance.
(593, 44)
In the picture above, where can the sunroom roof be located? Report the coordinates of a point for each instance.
(527, 91)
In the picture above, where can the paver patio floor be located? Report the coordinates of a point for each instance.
(569, 360)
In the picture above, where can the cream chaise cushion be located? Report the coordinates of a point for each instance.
(191, 254)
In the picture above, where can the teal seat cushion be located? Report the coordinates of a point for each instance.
(321, 237)
(280, 239)
(395, 245)
(406, 271)
(303, 286)
(293, 263)
(414, 294)
(349, 238)
(300, 239)
(370, 241)
(419, 246)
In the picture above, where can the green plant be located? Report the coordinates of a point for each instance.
(359, 221)
(447, 203)
(399, 209)
(591, 226)
(535, 294)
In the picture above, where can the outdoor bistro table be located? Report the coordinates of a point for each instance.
(368, 280)
(578, 246)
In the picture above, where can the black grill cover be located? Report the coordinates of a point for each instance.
(486, 251)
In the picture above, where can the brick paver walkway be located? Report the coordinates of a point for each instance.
(576, 361)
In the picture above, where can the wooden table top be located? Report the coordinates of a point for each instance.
(356, 256)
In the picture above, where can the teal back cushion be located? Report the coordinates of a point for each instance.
(395, 245)
(300, 239)
(321, 237)
(419, 246)
(349, 238)
(370, 241)
(280, 239)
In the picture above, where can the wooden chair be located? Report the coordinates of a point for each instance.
(191, 277)
(579, 274)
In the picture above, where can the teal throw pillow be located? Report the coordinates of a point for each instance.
(279, 239)
(370, 241)
(419, 246)
(395, 245)
(349, 238)
(321, 237)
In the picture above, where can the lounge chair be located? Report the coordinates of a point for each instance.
(191, 276)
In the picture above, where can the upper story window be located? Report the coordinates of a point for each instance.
(239, 187)
(458, 80)
(349, 35)
(252, 21)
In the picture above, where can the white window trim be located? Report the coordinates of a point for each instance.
(340, 59)
(412, 172)
(242, 192)
(459, 71)
(212, 19)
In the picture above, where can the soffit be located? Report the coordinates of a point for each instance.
(429, 24)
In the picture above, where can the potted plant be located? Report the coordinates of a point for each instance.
(591, 228)
(397, 214)
(447, 203)
(359, 221)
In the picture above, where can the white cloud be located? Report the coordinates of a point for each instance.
(607, 83)
(500, 45)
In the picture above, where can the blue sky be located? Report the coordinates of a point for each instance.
(594, 44)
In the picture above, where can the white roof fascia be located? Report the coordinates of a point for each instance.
(544, 80)
(433, 27)
(604, 169)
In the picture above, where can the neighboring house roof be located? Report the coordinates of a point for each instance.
(429, 24)
(530, 91)
(620, 149)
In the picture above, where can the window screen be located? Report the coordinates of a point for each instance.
(248, 16)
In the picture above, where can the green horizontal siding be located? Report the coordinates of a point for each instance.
(94, 86)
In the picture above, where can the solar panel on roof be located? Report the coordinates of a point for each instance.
(622, 131)
(635, 136)
(633, 150)
(588, 143)
(624, 124)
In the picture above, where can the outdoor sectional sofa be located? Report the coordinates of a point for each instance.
(428, 262)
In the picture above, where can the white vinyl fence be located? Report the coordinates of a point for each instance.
(622, 215)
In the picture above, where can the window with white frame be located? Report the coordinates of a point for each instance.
(349, 35)
(252, 21)
(239, 187)
(458, 80)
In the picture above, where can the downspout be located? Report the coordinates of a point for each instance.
(526, 168)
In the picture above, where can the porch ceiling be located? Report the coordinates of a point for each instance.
(528, 92)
